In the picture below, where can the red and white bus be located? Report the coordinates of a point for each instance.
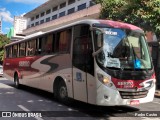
(100, 62)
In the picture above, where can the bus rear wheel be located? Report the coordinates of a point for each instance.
(62, 94)
(16, 81)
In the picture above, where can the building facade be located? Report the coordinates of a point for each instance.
(56, 13)
(20, 23)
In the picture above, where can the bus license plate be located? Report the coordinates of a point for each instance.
(134, 102)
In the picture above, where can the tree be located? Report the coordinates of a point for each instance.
(142, 13)
(3, 41)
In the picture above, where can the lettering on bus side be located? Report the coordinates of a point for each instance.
(24, 63)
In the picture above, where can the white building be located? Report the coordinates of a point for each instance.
(55, 13)
(20, 23)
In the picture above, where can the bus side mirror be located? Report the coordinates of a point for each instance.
(98, 51)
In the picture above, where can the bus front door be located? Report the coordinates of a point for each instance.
(79, 70)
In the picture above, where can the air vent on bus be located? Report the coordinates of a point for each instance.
(133, 95)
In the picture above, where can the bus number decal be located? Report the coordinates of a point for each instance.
(24, 63)
(111, 33)
(128, 84)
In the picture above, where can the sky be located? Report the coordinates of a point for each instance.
(11, 8)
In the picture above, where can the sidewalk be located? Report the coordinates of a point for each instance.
(157, 94)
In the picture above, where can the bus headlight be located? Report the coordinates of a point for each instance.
(104, 79)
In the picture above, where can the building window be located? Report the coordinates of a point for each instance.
(71, 11)
(48, 19)
(32, 25)
(54, 17)
(28, 26)
(71, 2)
(37, 16)
(32, 18)
(62, 5)
(42, 14)
(42, 21)
(82, 6)
(48, 11)
(54, 9)
(37, 23)
(62, 14)
(92, 3)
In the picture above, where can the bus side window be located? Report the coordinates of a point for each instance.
(64, 41)
(22, 49)
(31, 48)
(43, 44)
(15, 51)
(8, 52)
(48, 44)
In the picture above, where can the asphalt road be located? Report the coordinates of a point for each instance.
(32, 104)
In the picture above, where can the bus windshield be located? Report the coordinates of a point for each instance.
(121, 49)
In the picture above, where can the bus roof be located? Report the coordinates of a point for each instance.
(110, 23)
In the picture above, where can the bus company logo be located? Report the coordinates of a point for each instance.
(127, 84)
(24, 63)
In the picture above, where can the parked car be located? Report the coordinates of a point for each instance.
(1, 71)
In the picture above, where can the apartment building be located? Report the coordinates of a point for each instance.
(20, 23)
(55, 13)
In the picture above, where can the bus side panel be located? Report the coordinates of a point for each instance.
(59, 65)
(21, 66)
(92, 89)
(8, 68)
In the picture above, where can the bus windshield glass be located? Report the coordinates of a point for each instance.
(121, 49)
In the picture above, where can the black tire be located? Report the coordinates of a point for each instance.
(62, 94)
(16, 81)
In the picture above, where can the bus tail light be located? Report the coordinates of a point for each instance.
(104, 79)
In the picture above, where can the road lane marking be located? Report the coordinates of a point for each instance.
(23, 108)
(27, 110)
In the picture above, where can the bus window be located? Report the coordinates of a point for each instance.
(22, 49)
(8, 52)
(31, 48)
(15, 51)
(45, 44)
(42, 45)
(64, 40)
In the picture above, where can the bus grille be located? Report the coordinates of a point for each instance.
(133, 95)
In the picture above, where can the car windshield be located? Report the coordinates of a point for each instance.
(121, 49)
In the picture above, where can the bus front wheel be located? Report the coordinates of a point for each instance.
(16, 81)
(62, 92)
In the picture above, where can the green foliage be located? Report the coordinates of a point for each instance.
(3, 41)
(142, 13)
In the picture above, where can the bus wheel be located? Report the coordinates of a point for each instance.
(62, 92)
(16, 81)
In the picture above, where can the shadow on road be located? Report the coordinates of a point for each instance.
(80, 109)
